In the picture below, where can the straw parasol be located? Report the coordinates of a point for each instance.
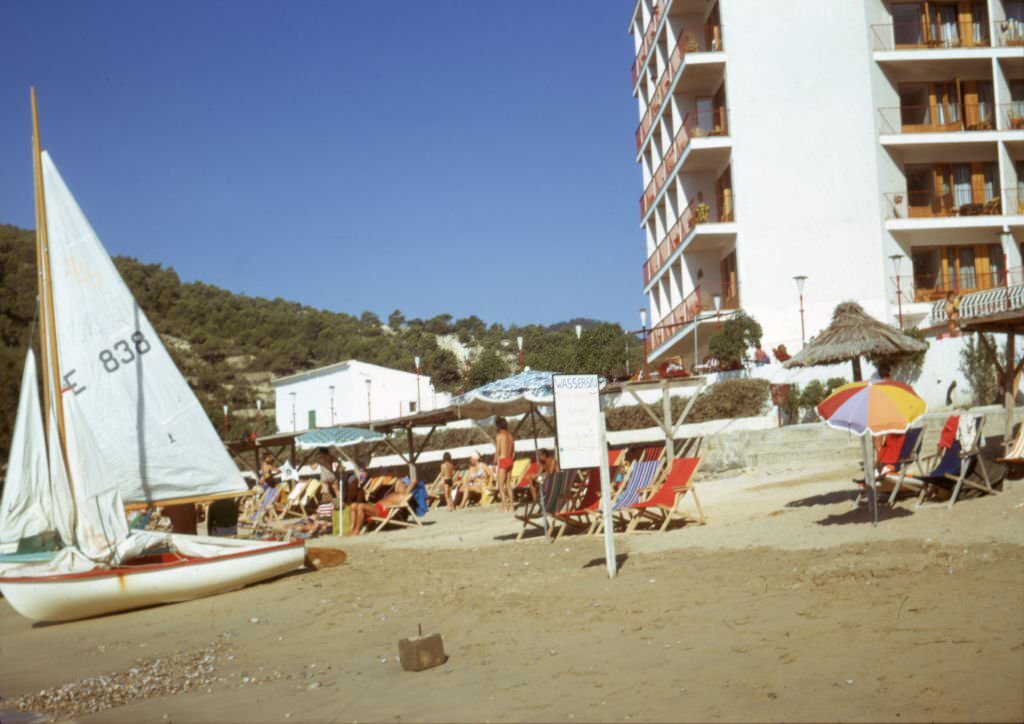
(852, 334)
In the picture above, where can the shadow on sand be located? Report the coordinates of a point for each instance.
(862, 514)
(836, 496)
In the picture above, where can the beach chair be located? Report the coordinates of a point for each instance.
(662, 507)
(584, 511)
(391, 516)
(258, 520)
(1015, 451)
(958, 466)
(642, 477)
(293, 502)
(892, 478)
(555, 494)
(521, 489)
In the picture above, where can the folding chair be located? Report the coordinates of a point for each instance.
(895, 468)
(662, 507)
(555, 493)
(958, 465)
(642, 476)
(392, 511)
(258, 520)
(1015, 451)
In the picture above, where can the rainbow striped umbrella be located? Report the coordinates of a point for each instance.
(878, 408)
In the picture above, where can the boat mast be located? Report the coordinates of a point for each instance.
(41, 276)
(47, 330)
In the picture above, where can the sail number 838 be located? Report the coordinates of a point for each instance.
(123, 352)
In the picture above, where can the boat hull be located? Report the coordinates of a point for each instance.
(149, 581)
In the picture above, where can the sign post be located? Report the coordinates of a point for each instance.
(580, 430)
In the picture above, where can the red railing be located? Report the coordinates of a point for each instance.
(696, 212)
(940, 119)
(696, 302)
(928, 204)
(702, 123)
(648, 41)
(686, 42)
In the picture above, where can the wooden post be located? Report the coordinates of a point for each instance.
(666, 416)
(606, 505)
(1008, 377)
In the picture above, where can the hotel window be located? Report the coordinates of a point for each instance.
(1013, 26)
(943, 26)
(907, 27)
(979, 23)
(938, 270)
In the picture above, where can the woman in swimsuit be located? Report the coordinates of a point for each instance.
(447, 478)
(477, 480)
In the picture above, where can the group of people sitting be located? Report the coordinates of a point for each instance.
(479, 481)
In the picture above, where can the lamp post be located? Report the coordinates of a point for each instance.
(627, 357)
(800, 279)
(643, 329)
(293, 411)
(369, 414)
(896, 259)
(579, 332)
(716, 299)
(259, 416)
(522, 357)
(225, 422)
(416, 359)
(331, 388)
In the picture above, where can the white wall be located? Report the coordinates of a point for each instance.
(804, 161)
(391, 394)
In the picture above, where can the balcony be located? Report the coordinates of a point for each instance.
(648, 42)
(940, 118)
(686, 42)
(934, 286)
(1011, 115)
(696, 302)
(698, 125)
(925, 35)
(695, 213)
(931, 205)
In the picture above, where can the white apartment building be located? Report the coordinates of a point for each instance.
(350, 393)
(874, 147)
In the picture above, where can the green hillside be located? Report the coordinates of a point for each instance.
(231, 345)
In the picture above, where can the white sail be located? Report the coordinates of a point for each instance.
(149, 435)
(25, 505)
(61, 506)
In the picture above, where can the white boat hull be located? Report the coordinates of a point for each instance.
(69, 596)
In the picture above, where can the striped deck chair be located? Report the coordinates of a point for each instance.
(642, 477)
(258, 520)
(293, 501)
(435, 493)
(654, 453)
(556, 493)
(662, 507)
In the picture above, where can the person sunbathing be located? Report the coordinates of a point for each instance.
(476, 480)
(360, 513)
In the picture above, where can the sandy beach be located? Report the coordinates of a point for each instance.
(787, 605)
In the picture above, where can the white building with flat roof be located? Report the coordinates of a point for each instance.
(875, 148)
(350, 393)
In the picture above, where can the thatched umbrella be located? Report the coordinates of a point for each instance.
(852, 334)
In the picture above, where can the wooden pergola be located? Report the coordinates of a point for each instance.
(1010, 323)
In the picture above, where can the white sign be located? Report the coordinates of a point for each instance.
(578, 421)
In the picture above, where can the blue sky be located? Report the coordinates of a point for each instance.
(470, 157)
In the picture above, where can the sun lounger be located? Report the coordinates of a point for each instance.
(643, 476)
(293, 503)
(555, 494)
(391, 518)
(662, 507)
(259, 518)
(958, 466)
(893, 477)
(585, 510)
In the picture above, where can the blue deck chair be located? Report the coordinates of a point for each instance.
(910, 452)
(956, 469)
(259, 517)
(555, 494)
(641, 477)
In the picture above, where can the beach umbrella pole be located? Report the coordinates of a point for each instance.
(869, 475)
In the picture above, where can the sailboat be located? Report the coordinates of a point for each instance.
(118, 426)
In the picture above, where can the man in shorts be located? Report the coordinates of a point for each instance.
(504, 452)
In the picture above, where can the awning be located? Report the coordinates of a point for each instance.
(336, 437)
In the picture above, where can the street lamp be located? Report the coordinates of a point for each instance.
(579, 331)
(716, 299)
(416, 359)
(643, 328)
(522, 358)
(331, 388)
(225, 422)
(259, 416)
(369, 414)
(293, 411)
(800, 279)
(896, 259)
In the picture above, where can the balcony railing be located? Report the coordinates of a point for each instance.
(697, 301)
(695, 212)
(648, 42)
(934, 286)
(702, 123)
(1012, 115)
(1008, 32)
(941, 118)
(686, 42)
(928, 204)
(930, 35)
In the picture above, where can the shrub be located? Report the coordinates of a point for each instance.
(737, 335)
(726, 400)
(978, 363)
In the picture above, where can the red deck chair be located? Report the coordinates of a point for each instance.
(663, 506)
(586, 512)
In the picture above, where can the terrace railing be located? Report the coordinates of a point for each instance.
(695, 212)
(928, 204)
(941, 118)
